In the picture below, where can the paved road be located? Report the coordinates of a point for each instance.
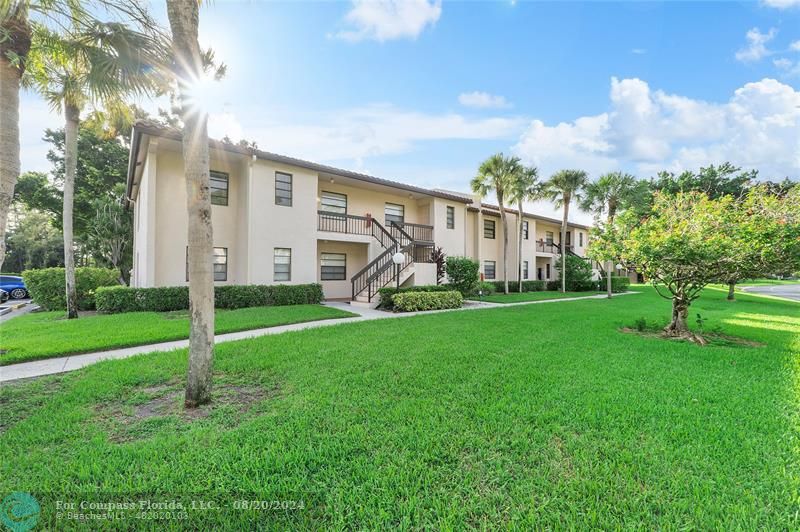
(788, 291)
(16, 311)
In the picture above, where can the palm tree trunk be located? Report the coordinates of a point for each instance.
(72, 114)
(505, 247)
(17, 40)
(519, 248)
(567, 199)
(184, 20)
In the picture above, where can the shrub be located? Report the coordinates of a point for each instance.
(485, 287)
(168, 298)
(416, 301)
(579, 274)
(462, 273)
(387, 294)
(513, 286)
(48, 287)
(619, 284)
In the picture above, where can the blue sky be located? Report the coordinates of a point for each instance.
(422, 91)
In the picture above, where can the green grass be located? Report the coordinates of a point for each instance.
(516, 297)
(532, 416)
(47, 334)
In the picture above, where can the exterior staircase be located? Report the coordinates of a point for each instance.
(382, 271)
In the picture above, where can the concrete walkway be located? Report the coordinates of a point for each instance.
(38, 368)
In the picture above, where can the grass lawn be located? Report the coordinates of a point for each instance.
(516, 297)
(533, 416)
(47, 334)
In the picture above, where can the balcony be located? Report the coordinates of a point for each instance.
(363, 225)
(546, 246)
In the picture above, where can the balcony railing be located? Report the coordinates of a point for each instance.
(418, 232)
(545, 246)
(343, 223)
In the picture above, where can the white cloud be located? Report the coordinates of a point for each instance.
(782, 63)
(782, 4)
(384, 20)
(787, 67)
(645, 131)
(795, 46)
(482, 100)
(756, 45)
(349, 136)
(638, 51)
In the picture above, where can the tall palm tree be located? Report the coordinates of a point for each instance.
(563, 187)
(15, 42)
(524, 187)
(611, 193)
(497, 173)
(95, 64)
(188, 69)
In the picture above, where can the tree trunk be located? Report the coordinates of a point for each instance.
(731, 289)
(9, 128)
(505, 247)
(678, 325)
(567, 199)
(72, 114)
(519, 251)
(184, 19)
(609, 265)
(612, 211)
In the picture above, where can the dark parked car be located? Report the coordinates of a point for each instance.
(14, 285)
(3, 296)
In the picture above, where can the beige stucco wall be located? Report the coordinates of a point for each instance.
(452, 241)
(363, 201)
(356, 259)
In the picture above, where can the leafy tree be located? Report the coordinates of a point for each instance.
(766, 233)
(188, 69)
(715, 181)
(95, 63)
(611, 193)
(524, 187)
(579, 273)
(561, 189)
(111, 232)
(497, 173)
(681, 246)
(33, 242)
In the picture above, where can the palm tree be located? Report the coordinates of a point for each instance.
(497, 173)
(609, 194)
(15, 42)
(525, 187)
(561, 189)
(187, 69)
(100, 63)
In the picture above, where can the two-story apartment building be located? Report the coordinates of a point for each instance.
(279, 219)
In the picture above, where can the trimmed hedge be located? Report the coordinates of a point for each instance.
(486, 288)
(117, 299)
(47, 286)
(416, 301)
(387, 294)
(527, 286)
(619, 284)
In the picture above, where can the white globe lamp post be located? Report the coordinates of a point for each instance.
(398, 259)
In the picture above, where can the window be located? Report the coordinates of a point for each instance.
(333, 202)
(488, 229)
(569, 238)
(283, 189)
(333, 267)
(539, 273)
(394, 213)
(525, 229)
(220, 264)
(525, 269)
(580, 239)
(488, 269)
(219, 187)
(547, 267)
(451, 217)
(282, 265)
(548, 237)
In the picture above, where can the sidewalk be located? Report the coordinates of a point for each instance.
(38, 368)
